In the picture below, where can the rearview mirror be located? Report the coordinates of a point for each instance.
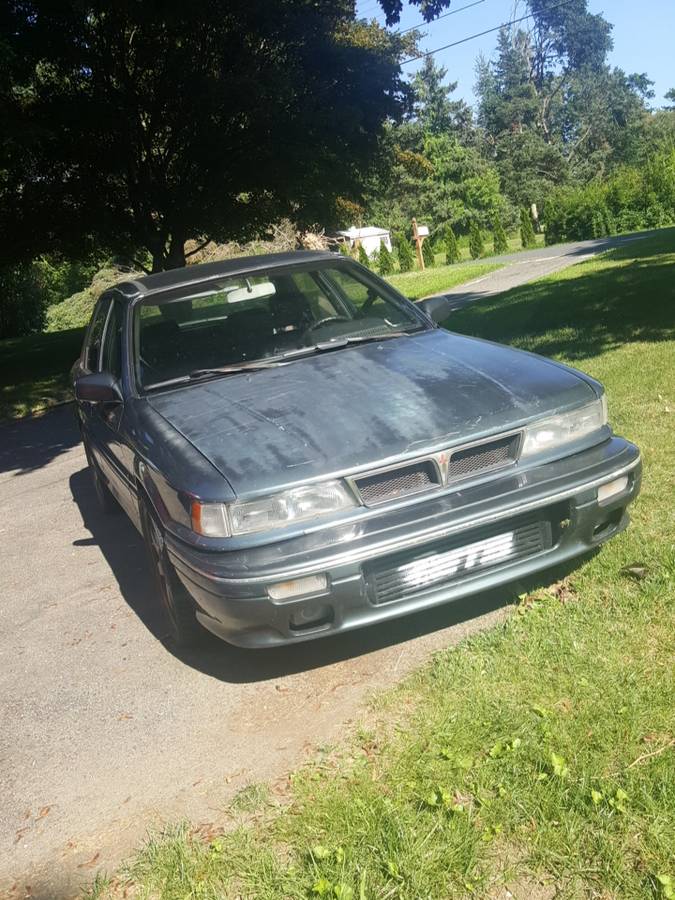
(98, 387)
(437, 308)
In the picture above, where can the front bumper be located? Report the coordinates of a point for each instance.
(230, 588)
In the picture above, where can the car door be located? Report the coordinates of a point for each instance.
(106, 420)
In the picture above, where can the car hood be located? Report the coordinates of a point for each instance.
(364, 405)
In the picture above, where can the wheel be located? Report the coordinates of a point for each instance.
(178, 609)
(104, 497)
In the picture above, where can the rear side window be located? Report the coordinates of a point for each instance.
(92, 350)
(111, 357)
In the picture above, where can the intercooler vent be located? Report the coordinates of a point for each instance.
(405, 574)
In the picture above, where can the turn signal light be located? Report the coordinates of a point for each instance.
(286, 590)
(612, 488)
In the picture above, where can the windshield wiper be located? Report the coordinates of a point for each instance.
(340, 342)
(275, 361)
(235, 368)
(196, 374)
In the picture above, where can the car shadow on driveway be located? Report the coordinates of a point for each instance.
(124, 551)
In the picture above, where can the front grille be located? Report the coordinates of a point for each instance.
(405, 574)
(483, 457)
(384, 486)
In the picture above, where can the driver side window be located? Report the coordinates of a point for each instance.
(111, 357)
(92, 353)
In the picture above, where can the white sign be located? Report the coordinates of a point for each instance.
(423, 231)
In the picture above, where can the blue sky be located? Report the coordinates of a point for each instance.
(644, 37)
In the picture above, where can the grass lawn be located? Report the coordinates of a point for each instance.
(34, 371)
(434, 281)
(539, 757)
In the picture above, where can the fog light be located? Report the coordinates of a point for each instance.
(286, 590)
(311, 615)
(605, 491)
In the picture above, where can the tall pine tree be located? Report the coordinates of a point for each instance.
(452, 254)
(501, 245)
(476, 248)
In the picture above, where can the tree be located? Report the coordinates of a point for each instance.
(433, 109)
(549, 103)
(526, 230)
(476, 248)
(501, 245)
(384, 261)
(22, 300)
(670, 96)
(406, 257)
(363, 257)
(139, 126)
(452, 254)
(428, 254)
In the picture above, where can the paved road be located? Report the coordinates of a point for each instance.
(519, 268)
(103, 730)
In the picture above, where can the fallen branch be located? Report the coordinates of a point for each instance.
(649, 755)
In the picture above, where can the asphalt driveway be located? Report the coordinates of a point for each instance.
(519, 268)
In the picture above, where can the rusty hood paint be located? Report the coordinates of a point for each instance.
(364, 406)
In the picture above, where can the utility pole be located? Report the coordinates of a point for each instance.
(418, 244)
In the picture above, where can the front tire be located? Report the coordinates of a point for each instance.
(179, 613)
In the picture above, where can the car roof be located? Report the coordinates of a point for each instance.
(195, 275)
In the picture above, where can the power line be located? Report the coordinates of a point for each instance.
(472, 37)
(438, 18)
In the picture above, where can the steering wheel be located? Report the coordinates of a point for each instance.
(326, 320)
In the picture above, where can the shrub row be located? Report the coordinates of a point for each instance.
(629, 200)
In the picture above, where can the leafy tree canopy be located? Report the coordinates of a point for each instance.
(143, 124)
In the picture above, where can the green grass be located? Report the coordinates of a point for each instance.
(434, 281)
(34, 371)
(538, 757)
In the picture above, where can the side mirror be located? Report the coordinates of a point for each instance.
(437, 308)
(98, 387)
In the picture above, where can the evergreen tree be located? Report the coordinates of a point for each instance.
(385, 261)
(406, 257)
(499, 235)
(434, 110)
(476, 248)
(452, 254)
(363, 257)
(428, 254)
(526, 230)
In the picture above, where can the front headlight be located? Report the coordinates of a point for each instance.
(556, 431)
(300, 504)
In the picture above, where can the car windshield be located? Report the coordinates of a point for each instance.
(262, 316)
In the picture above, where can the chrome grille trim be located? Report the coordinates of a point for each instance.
(406, 574)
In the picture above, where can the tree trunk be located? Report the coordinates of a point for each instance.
(164, 258)
(175, 258)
